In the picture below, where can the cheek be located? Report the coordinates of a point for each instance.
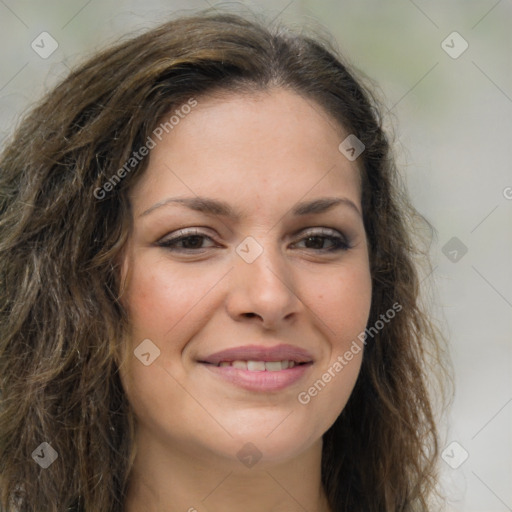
(156, 300)
(342, 303)
(167, 305)
(159, 297)
(163, 304)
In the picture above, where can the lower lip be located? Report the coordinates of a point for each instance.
(259, 381)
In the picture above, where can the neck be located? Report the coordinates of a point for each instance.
(177, 480)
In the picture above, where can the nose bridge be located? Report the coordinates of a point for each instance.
(263, 282)
(262, 263)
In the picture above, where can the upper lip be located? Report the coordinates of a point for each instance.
(280, 352)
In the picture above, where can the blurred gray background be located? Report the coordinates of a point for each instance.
(449, 101)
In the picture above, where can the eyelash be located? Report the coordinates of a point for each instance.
(339, 243)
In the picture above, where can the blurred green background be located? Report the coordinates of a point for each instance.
(451, 115)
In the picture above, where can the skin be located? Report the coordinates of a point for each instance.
(262, 153)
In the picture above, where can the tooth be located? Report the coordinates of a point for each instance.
(273, 366)
(256, 366)
(291, 364)
(241, 365)
(224, 363)
(285, 364)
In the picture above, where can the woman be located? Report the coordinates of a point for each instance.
(209, 300)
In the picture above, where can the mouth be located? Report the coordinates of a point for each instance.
(252, 356)
(259, 369)
(259, 366)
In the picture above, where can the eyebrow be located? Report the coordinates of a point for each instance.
(221, 208)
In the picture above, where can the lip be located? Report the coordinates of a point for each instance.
(260, 353)
(262, 381)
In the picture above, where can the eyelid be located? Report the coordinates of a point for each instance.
(187, 232)
(184, 233)
(325, 232)
(320, 230)
(343, 242)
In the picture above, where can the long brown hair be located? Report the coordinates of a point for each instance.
(61, 322)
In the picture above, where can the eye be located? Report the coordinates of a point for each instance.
(185, 241)
(315, 240)
(192, 240)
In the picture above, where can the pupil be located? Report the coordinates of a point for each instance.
(313, 238)
(193, 238)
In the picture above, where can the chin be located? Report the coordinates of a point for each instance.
(264, 447)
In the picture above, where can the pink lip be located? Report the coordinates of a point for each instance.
(259, 381)
(260, 353)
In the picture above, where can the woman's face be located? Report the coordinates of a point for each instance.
(248, 245)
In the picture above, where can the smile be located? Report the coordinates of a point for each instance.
(260, 366)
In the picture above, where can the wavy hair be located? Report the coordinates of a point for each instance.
(61, 321)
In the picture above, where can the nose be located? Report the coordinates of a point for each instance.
(263, 291)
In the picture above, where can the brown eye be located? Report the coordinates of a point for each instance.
(192, 242)
(316, 241)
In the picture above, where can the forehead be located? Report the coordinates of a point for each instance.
(250, 147)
